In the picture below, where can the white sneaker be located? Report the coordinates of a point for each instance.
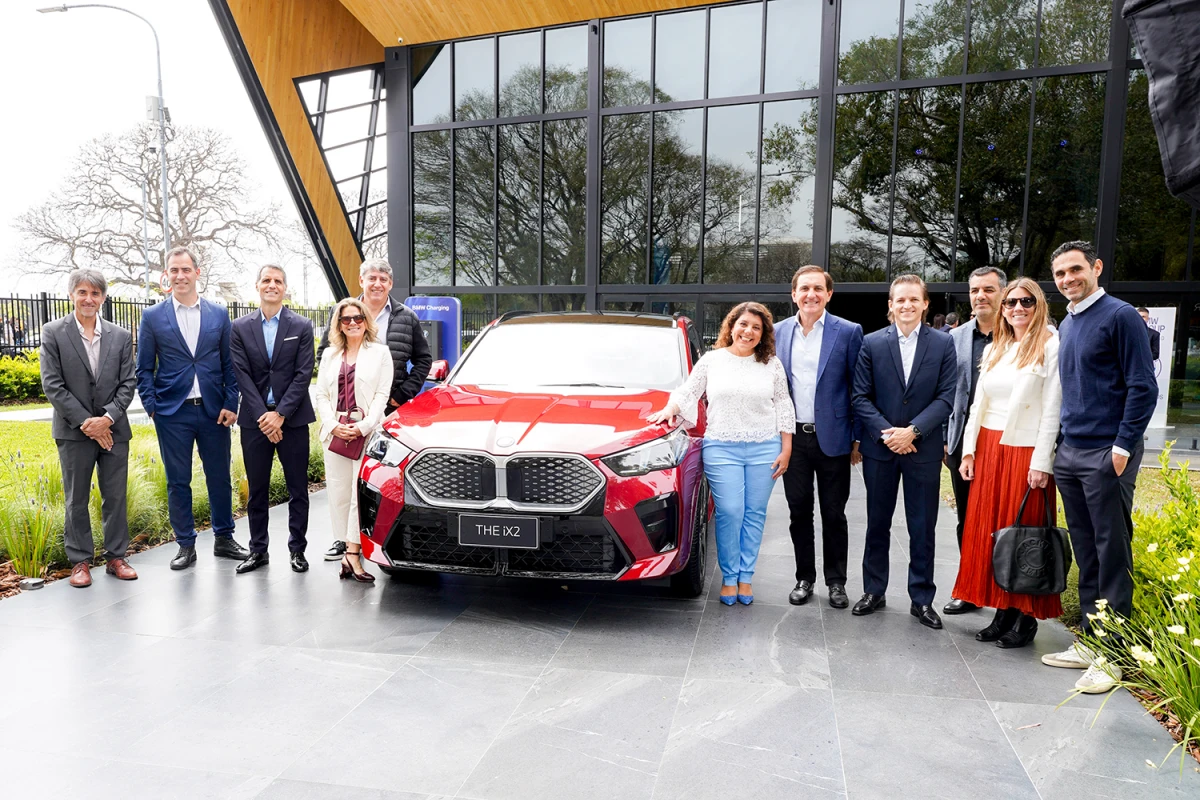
(1074, 657)
(1099, 679)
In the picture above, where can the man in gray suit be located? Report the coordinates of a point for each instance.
(985, 285)
(88, 377)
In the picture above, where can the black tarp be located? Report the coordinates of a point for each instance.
(1167, 35)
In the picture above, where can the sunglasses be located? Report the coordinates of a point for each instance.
(1026, 302)
(354, 319)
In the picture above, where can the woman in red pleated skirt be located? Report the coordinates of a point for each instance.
(1008, 448)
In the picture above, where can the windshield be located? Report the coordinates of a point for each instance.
(576, 355)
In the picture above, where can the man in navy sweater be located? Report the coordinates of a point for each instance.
(1109, 394)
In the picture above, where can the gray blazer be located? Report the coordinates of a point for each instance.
(962, 386)
(70, 386)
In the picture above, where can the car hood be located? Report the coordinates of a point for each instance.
(595, 423)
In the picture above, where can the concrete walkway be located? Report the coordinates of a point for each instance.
(277, 685)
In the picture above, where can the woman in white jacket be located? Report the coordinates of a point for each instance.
(1008, 448)
(353, 385)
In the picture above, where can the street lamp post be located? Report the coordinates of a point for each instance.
(162, 110)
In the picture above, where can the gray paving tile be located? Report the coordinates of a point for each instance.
(750, 740)
(35, 773)
(509, 628)
(931, 746)
(59, 603)
(618, 639)
(762, 644)
(303, 790)
(422, 731)
(580, 735)
(891, 653)
(1072, 752)
(120, 780)
(393, 625)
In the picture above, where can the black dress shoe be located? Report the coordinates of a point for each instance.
(837, 596)
(226, 547)
(868, 604)
(336, 551)
(184, 558)
(1020, 634)
(956, 606)
(801, 593)
(1000, 625)
(299, 562)
(252, 563)
(926, 616)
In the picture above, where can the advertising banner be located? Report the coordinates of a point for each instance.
(441, 321)
(1162, 319)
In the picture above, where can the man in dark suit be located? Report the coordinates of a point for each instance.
(903, 393)
(819, 351)
(87, 375)
(186, 382)
(397, 327)
(272, 352)
(1155, 336)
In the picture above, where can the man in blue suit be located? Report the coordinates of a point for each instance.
(903, 393)
(186, 382)
(819, 351)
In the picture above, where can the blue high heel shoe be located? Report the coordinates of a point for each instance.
(744, 599)
(727, 599)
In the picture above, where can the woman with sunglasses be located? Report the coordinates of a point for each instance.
(1008, 448)
(353, 385)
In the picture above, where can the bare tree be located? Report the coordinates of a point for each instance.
(95, 217)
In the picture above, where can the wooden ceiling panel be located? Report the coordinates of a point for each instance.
(420, 21)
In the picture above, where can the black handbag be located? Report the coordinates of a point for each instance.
(1030, 559)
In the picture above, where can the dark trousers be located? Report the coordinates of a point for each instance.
(79, 460)
(1099, 508)
(258, 452)
(832, 474)
(962, 490)
(177, 434)
(921, 485)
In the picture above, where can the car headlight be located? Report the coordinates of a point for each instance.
(663, 453)
(385, 449)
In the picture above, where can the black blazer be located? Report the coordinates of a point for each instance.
(881, 399)
(1154, 340)
(288, 372)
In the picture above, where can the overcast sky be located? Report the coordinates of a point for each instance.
(73, 76)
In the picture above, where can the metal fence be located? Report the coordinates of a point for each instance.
(22, 318)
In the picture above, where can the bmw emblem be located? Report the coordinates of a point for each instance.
(505, 441)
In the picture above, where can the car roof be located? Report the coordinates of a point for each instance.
(587, 318)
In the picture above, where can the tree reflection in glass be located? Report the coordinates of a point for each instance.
(431, 208)
(1002, 35)
(520, 74)
(789, 156)
(474, 207)
(867, 48)
(862, 185)
(565, 201)
(678, 200)
(1074, 32)
(474, 79)
(517, 222)
(933, 38)
(624, 197)
(731, 196)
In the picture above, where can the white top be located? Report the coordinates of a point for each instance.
(908, 349)
(188, 318)
(1023, 403)
(91, 346)
(747, 401)
(806, 360)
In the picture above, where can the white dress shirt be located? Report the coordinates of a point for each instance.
(806, 360)
(91, 346)
(1085, 303)
(908, 349)
(188, 318)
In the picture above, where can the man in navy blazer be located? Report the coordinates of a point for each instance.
(819, 352)
(903, 393)
(186, 382)
(272, 352)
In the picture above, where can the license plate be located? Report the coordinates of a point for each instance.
(481, 531)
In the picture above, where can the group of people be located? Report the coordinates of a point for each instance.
(196, 373)
(1012, 406)
(1005, 401)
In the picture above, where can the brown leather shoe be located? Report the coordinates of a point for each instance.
(81, 575)
(120, 567)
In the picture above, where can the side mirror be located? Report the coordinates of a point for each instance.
(439, 371)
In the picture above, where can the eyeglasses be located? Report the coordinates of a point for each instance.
(354, 319)
(1026, 302)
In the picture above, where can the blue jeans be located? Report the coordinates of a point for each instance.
(739, 474)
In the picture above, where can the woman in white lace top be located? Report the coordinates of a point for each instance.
(747, 438)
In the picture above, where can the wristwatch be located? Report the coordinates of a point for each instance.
(916, 432)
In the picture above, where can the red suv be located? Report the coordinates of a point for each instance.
(533, 458)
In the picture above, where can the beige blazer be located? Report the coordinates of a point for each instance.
(1033, 410)
(372, 386)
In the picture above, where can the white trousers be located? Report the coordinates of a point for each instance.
(341, 487)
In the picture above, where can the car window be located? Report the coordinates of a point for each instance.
(575, 355)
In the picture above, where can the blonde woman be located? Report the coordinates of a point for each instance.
(353, 385)
(1008, 447)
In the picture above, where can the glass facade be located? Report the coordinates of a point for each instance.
(687, 159)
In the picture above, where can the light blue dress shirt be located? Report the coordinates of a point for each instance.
(806, 360)
(908, 349)
(270, 328)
